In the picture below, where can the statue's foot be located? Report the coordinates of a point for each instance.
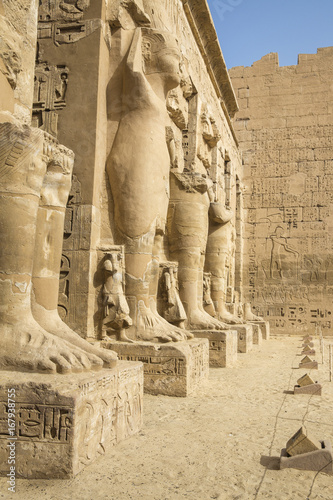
(123, 337)
(230, 319)
(253, 317)
(27, 347)
(181, 331)
(51, 322)
(152, 327)
(200, 320)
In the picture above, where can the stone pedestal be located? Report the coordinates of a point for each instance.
(172, 369)
(310, 344)
(64, 422)
(318, 460)
(309, 352)
(222, 346)
(311, 365)
(314, 389)
(257, 334)
(264, 326)
(245, 337)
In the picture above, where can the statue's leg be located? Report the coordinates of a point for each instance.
(47, 259)
(187, 231)
(141, 288)
(153, 287)
(25, 345)
(216, 256)
(138, 171)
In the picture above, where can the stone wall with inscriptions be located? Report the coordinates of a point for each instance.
(82, 52)
(285, 130)
(17, 53)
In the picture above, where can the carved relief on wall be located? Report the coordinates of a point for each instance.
(62, 20)
(50, 87)
(40, 422)
(71, 228)
(169, 303)
(207, 298)
(68, 10)
(208, 136)
(280, 248)
(116, 318)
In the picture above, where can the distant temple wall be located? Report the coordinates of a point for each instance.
(285, 131)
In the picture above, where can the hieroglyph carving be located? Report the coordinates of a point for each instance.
(50, 88)
(62, 21)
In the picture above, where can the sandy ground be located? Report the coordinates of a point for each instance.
(223, 442)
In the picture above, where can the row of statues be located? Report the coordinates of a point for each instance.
(35, 181)
(154, 206)
(154, 203)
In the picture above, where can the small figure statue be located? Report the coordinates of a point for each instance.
(207, 299)
(116, 310)
(175, 312)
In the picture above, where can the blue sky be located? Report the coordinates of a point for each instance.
(249, 29)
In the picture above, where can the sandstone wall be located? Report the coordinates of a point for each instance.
(18, 29)
(285, 128)
(88, 52)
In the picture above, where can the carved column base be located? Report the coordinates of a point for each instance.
(172, 369)
(222, 346)
(257, 334)
(245, 337)
(65, 422)
(264, 326)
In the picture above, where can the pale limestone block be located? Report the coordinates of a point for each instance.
(222, 346)
(305, 380)
(65, 422)
(169, 369)
(301, 442)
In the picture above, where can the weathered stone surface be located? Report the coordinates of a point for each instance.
(257, 333)
(65, 422)
(307, 362)
(301, 442)
(18, 27)
(308, 351)
(169, 369)
(313, 389)
(245, 337)
(265, 328)
(284, 128)
(318, 460)
(309, 365)
(306, 359)
(305, 380)
(200, 102)
(222, 346)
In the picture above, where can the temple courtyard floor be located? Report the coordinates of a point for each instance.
(223, 442)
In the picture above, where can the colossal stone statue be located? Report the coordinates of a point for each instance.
(138, 167)
(219, 247)
(188, 232)
(33, 194)
(48, 246)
